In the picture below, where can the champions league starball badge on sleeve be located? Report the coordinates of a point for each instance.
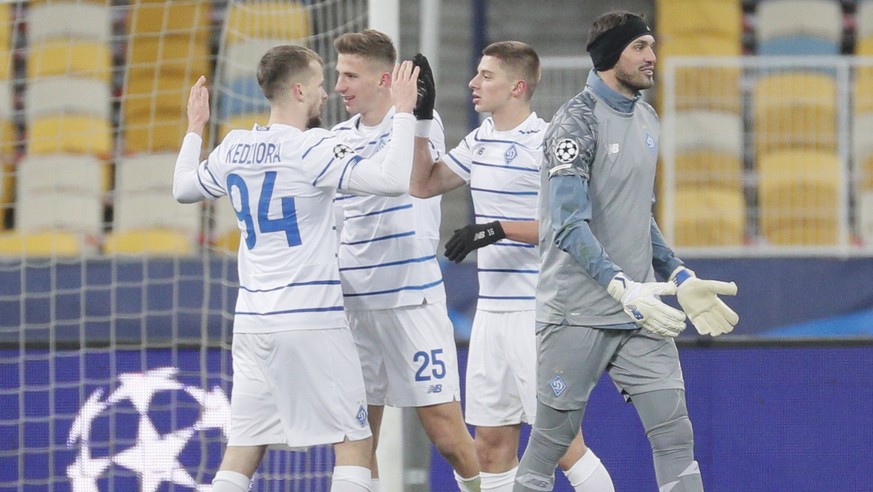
(167, 419)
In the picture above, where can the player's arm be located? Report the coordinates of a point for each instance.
(697, 297)
(186, 188)
(429, 177)
(390, 175)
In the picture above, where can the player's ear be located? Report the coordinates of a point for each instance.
(520, 88)
(385, 80)
(297, 91)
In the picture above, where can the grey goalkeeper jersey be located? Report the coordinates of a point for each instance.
(595, 210)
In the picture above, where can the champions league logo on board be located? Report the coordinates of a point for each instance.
(151, 431)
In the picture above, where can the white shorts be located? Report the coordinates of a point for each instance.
(408, 355)
(296, 389)
(501, 369)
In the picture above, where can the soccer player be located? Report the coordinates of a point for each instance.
(297, 378)
(597, 298)
(501, 161)
(392, 284)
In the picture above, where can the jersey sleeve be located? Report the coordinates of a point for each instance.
(210, 176)
(328, 160)
(460, 159)
(570, 143)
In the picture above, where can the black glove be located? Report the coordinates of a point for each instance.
(472, 237)
(426, 89)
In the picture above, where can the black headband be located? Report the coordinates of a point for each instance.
(606, 49)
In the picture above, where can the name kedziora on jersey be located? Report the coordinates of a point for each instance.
(253, 153)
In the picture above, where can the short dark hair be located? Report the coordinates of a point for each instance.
(283, 64)
(610, 20)
(520, 59)
(369, 43)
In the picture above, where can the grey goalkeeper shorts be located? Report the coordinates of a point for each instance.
(571, 359)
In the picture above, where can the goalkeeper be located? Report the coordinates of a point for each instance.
(597, 299)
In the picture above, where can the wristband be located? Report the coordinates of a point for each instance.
(422, 128)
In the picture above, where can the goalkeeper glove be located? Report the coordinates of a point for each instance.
(699, 299)
(426, 89)
(641, 303)
(472, 237)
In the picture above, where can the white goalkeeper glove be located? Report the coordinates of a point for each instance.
(641, 303)
(699, 299)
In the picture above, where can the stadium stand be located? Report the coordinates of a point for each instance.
(799, 27)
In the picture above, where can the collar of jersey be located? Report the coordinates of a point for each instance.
(614, 99)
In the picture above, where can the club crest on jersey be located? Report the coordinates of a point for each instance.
(650, 143)
(566, 150)
(361, 416)
(510, 154)
(557, 385)
(341, 150)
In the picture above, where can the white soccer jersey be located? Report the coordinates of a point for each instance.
(281, 182)
(503, 171)
(387, 251)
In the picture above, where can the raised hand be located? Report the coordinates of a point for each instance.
(198, 106)
(404, 91)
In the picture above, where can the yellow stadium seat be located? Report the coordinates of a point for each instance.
(6, 25)
(63, 57)
(69, 133)
(798, 197)
(152, 242)
(167, 55)
(704, 86)
(163, 132)
(707, 216)
(719, 18)
(796, 109)
(43, 244)
(146, 96)
(241, 121)
(190, 18)
(863, 93)
(266, 19)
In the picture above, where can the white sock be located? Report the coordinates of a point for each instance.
(498, 482)
(375, 485)
(471, 484)
(589, 475)
(230, 481)
(350, 479)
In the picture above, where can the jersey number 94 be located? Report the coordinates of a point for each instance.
(287, 223)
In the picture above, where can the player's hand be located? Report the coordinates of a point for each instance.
(198, 106)
(699, 299)
(472, 237)
(426, 89)
(641, 303)
(404, 86)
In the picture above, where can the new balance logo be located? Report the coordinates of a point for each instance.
(479, 236)
(434, 388)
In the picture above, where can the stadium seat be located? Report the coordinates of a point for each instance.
(8, 129)
(63, 20)
(244, 121)
(794, 110)
(168, 55)
(67, 96)
(189, 18)
(241, 96)
(798, 197)
(240, 59)
(225, 233)
(709, 149)
(862, 151)
(161, 133)
(701, 86)
(144, 94)
(59, 207)
(265, 19)
(799, 27)
(707, 216)
(147, 220)
(50, 134)
(83, 58)
(713, 18)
